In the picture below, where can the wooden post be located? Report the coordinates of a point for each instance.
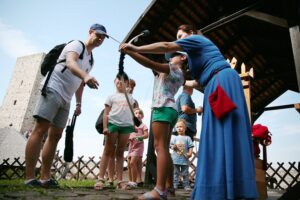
(246, 81)
(295, 41)
(150, 174)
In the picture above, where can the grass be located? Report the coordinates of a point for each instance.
(18, 185)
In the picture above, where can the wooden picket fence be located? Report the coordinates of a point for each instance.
(279, 176)
(282, 175)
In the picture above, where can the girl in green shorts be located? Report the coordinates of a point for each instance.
(117, 126)
(168, 80)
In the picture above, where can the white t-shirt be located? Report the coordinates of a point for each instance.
(66, 83)
(120, 113)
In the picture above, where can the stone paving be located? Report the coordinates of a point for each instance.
(90, 193)
(84, 193)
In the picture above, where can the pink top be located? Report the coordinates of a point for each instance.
(136, 147)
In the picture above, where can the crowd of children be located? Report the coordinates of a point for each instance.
(122, 126)
(119, 130)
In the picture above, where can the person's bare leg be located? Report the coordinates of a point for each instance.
(139, 169)
(33, 147)
(111, 169)
(170, 177)
(108, 152)
(163, 160)
(121, 146)
(48, 151)
(129, 160)
(134, 168)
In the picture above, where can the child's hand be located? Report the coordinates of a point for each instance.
(132, 138)
(187, 156)
(139, 138)
(175, 148)
(199, 110)
(105, 131)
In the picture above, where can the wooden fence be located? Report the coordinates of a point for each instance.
(278, 176)
(282, 175)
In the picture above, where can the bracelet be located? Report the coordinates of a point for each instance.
(78, 104)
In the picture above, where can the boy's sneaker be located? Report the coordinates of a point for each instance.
(33, 183)
(188, 189)
(51, 183)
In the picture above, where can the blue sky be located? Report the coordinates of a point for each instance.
(35, 26)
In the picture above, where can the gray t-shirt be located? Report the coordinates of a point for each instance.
(120, 114)
(184, 143)
(66, 83)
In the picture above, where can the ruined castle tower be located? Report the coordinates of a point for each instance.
(22, 94)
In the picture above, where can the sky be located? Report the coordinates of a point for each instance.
(35, 26)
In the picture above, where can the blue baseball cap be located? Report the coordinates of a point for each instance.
(99, 29)
(170, 55)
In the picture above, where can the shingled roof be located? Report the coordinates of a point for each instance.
(261, 34)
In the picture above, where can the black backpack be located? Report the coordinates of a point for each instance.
(51, 59)
(99, 123)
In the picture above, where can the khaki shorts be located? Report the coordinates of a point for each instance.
(165, 114)
(52, 108)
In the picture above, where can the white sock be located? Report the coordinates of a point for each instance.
(44, 181)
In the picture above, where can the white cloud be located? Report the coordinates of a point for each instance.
(14, 42)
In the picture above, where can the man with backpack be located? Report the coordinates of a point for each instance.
(69, 76)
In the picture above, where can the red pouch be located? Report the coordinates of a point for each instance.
(220, 103)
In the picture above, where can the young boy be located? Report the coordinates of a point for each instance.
(182, 147)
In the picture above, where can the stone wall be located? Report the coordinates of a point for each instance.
(22, 94)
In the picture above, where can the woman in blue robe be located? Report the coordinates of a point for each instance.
(225, 168)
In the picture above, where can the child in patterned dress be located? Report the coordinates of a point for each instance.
(136, 150)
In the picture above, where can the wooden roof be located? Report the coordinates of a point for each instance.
(254, 32)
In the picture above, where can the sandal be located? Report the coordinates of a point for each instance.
(148, 196)
(171, 191)
(130, 185)
(99, 185)
(122, 185)
(111, 183)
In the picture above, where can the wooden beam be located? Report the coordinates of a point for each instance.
(229, 18)
(267, 18)
(295, 40)
(296, 106)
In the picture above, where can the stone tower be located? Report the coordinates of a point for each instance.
(22, 94)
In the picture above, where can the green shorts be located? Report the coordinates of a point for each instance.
(112, 128)
(165, 114)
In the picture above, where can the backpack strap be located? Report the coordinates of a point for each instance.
(43, 91)
(83, 48)
(80, 56)
(92, 59)
(60, 61)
